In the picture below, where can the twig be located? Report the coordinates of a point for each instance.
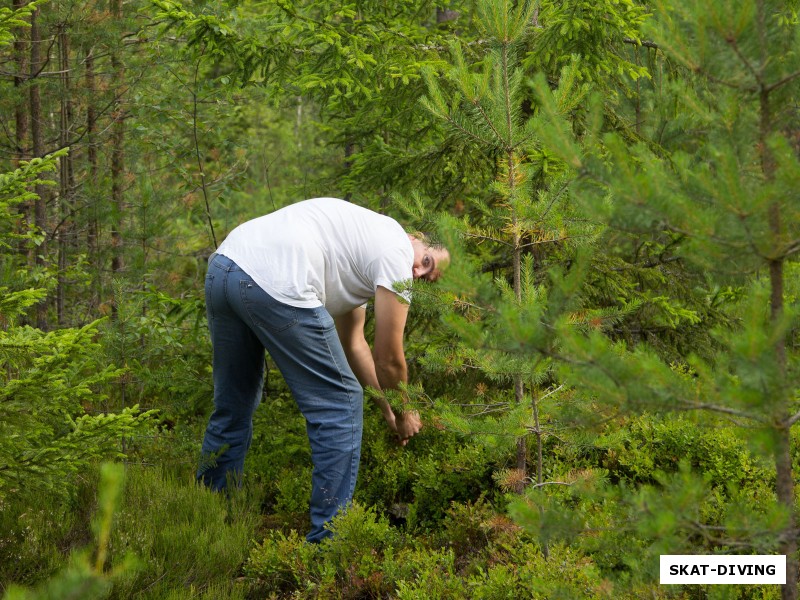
(722, 409)
(197, 150)
(645, 43)
(781, 82)
(544, 483)
(791, 420)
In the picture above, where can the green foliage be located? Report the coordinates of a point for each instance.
(85, 577)
(350, 562)
(594, 31)
(15, 190)
(515, 232)
(718, 200)
(281, 562)
(359, 66)
(184, 534)
(162, 341)
(218, 40)
(562, 574)
(48, 381)
(294, 490)
(445, 475)
(366, 558)
(610, 180)
(11, 18)
(416, 485)
(650, 445)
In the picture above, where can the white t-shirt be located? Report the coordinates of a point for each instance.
(322, 252)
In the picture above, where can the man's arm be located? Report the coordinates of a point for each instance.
(386, 368)
(350, 327)
(390, 360)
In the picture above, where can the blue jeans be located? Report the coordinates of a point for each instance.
(244, 320)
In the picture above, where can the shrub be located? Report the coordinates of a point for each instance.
(184, 534)
(650, 444)
(86, 575)
(282, 562)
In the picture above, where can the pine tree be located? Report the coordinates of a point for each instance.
(516, 232)
(727, 198)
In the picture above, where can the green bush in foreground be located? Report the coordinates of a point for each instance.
(368, 558)
(85, 576)
(189, 539)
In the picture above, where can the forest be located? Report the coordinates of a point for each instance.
(608, 372)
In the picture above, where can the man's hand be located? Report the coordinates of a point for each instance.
(407, 424)
(402, 424)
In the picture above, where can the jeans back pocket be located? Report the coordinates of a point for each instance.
(264, 310)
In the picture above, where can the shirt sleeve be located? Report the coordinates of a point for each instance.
(392, 270)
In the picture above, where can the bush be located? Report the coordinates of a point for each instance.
(281, 563)
(417, 483)
(650, 444)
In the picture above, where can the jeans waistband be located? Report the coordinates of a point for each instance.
(223, 262)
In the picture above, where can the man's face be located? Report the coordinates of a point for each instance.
(428, 261)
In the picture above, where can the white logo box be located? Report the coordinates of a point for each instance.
(721, 569)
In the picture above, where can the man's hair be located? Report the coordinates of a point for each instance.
(429, 240)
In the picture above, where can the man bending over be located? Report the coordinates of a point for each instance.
(296, 282)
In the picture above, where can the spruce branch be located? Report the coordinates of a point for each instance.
(488, 238)
(645, 43)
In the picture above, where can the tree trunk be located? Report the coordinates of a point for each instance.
(21, 120)
(783, 457)
(21, 76)
(519, 386)
(92, 228)
(785, 492)
(117, 159)
(37, 140)
(444, 15)
(67, 179)
(522, 445)
(539, 454)
(349, 150)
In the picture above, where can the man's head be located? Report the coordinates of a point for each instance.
(429, 259)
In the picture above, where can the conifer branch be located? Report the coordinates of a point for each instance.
(479, 107)
(645, 43)
(463, 129)
(713, 79)
(488, 239)
(791, 421)
(489, 409)
(197, 149)
(751, 238)
(753, 71)
(792, 249)
(556, 197)
(554, 240)
(723, 410)
(713, 238)
(782, 81)
(507, 95)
